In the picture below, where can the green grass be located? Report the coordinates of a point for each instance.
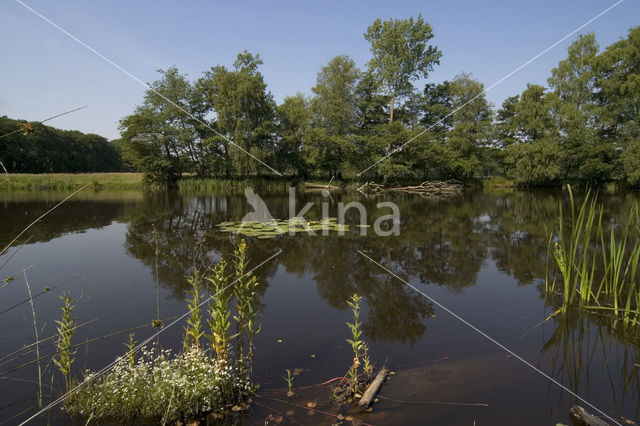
(68, 181)
(498, 182)
(263, 184)
(597, 260)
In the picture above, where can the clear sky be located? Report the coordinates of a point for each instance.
(44, 72)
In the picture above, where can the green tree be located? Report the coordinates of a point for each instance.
(294, 123)
(618, 103)
(157, 135)
(331, 146)
(472, 128)
(588, 156)
(245, 112)
(400, 55)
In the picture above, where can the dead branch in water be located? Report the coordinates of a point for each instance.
(374, 387)
(449, 187)
(583, 417)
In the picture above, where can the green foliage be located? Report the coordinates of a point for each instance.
(584, 127)
(360, 349)
(66, 327)
(50, 150)
(160, 387)
(219, 315)
(246, 317)
(630, 163)
(289, 379)
(131, 354)
(194, 330)
(400, 55)
(294, 121)
(536, 164)
(598, 261)
(245, 113)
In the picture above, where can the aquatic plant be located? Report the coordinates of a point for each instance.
(571, 249)
(597, 260)
(160, 387)
(193, 330)
(163, 388)
(66, 327)
(289, 379)
(219, 315)
(246, 317)
(131, 355)
(361, 370)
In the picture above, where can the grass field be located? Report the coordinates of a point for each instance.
(67, 181)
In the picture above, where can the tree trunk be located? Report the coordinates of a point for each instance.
(391, 106)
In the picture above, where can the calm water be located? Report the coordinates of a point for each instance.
(481, 254)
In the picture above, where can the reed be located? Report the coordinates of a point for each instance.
(35, 330)
(194, 184)
(597, 259)
(70, 181)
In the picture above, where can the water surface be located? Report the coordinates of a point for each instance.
(123, 257)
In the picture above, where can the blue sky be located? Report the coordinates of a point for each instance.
(44, 72)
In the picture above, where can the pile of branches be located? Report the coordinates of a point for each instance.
(449, 187)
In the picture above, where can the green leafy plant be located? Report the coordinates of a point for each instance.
(289, 379)
(246, 308)
(66, 327)
(130, 345)
(359, 347)
(193, 330)
(597, 260)
(218, 309)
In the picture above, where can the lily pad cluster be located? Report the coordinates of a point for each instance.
(273, 228)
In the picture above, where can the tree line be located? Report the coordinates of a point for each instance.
(584, 126)
(37, 148)
(387, 120)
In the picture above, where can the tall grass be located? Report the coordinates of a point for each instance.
(69, 181)
(194, 184)
(597, 260)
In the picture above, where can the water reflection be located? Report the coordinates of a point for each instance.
(444, 243)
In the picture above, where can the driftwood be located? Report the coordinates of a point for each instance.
(317, 186)
(450, 187)
(583, 417)
(374, 387)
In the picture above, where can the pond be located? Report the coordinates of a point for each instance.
(124, 256)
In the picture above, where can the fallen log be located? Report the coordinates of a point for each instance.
(450, 187)
(583, 417)
(374, 387)
(320, 186)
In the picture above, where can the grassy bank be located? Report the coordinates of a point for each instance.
(67, 181)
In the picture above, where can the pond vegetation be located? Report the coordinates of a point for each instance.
(202, 380)
(597, 260)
